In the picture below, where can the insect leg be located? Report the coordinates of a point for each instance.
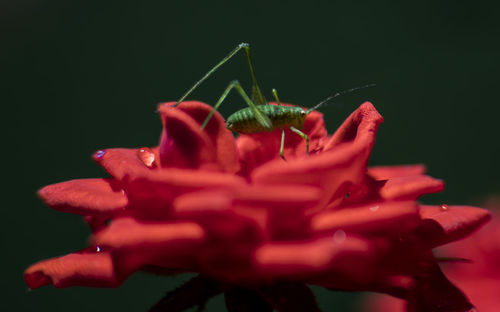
(257, 95)
(261, 118)
(282, 146)
(303, 135)
(275, 93)
(211, 71)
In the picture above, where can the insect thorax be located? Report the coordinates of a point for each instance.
(244, 121)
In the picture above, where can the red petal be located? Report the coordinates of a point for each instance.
(136, 244)
(183, 144)
(152, 192)
(85, 196)
(224, 221)
(127, 233)
(335, 170)
(482, 248)
(362, 124)
(77, 269)
(299, 259)
(257, 149)
(440, 226)
(390, 218)
(222, 138)
(278, 198)
(389, 172)
(120, 162)
(383, 303)
(433, 292)
(482, 291)
(410, 187)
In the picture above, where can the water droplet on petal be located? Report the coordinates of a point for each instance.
(97, 249)
(339, 236)
(374, 208)
(147, 156)
(444, 207)
(99, 154)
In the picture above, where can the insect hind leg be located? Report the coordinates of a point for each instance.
(235, 84)
(213, 69)
(257, 95)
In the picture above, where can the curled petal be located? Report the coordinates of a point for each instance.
(441, 225)
(410, 187)
(183, 144)
(77, 269)
(85, 196)
(390, 218)
(362, 124)
(390, 172)
(220, 136)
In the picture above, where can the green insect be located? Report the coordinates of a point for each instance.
(260, 116)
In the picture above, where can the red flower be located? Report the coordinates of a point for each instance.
(478, 276)
(234, 211)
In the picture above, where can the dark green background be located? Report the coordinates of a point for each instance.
(78, 76)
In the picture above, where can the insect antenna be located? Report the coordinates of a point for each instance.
(338, 94)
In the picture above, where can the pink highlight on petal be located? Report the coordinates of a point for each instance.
(410, 187)
(147, 156)
(306, 258)
(390, 218)
(390, 172)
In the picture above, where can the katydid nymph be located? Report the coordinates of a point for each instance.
(260, 116)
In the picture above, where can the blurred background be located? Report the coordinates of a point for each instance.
(78, 76)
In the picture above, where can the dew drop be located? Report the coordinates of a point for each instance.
(97, 249)
(99, 154)
(147, 156)
(339, 236)
(444, 207)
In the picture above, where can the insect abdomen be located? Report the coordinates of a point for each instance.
(244, 121)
